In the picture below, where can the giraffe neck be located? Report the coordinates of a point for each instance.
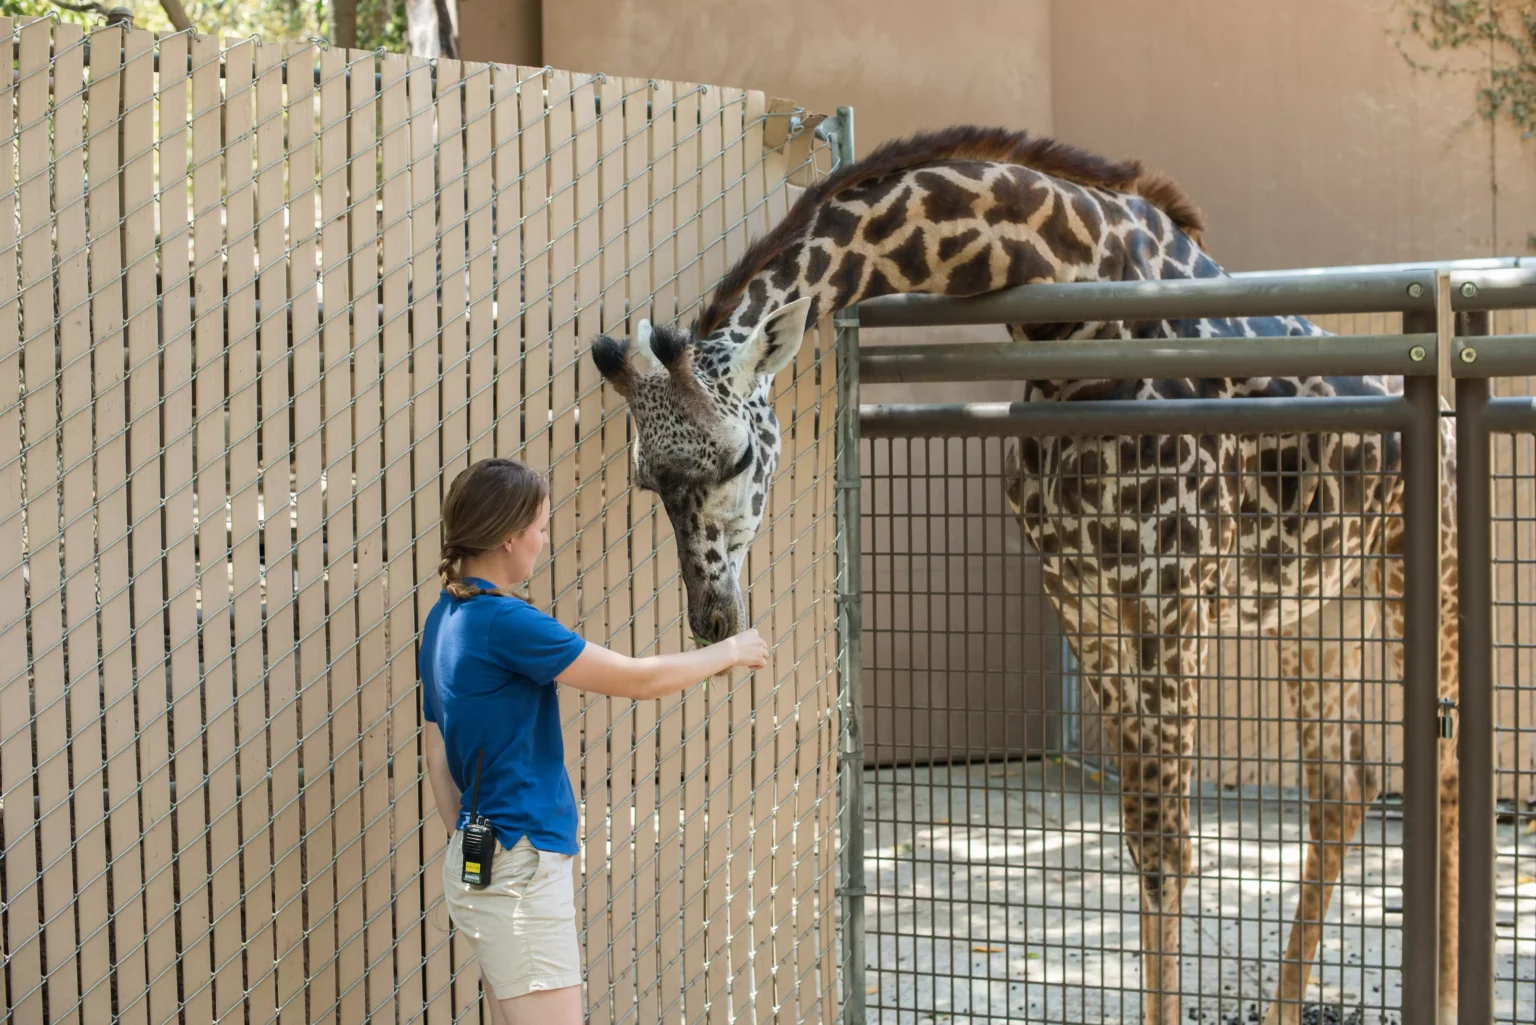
(963, 228)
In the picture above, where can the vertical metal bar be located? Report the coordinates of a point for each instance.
(850, 589)
(1421, 695)
(1475, 747)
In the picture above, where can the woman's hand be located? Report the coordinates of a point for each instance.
(747, 649)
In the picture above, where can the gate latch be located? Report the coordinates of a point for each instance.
(1447, 724)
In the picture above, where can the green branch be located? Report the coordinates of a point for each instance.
(1504, 30)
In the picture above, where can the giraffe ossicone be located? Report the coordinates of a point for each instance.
(1148, 545)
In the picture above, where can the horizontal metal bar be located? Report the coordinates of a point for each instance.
(1134, 417)
(1341, 291)
(1454, 266)
(1122, 359)
(1494, 356)
(1512, 288)
(1511, 415)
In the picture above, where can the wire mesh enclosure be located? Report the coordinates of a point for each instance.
(262, 303)
(1001, 881)
(1022, 827)
(1511, 465)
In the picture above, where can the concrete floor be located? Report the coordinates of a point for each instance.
(1003, 892)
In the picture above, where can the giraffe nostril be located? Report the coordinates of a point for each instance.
(718, 626)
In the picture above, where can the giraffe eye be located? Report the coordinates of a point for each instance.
(741, 466)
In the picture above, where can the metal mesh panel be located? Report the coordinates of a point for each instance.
(1514, 741)
(260, 305)
(998, 872)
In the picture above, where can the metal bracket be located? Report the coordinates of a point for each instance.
(1447, 723)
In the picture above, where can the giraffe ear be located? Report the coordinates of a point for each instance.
(773, 344)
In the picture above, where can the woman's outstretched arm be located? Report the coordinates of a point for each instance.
(602, 671)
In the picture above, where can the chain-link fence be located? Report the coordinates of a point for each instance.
(263, 302)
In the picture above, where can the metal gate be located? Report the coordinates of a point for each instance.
(987, 875)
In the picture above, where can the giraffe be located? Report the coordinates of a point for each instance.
(1147, 545)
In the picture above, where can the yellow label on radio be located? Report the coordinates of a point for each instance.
(471, 866)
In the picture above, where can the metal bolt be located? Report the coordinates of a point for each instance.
(1468, 289)
(1469, 355)
(1415, 290)
(1417, 354)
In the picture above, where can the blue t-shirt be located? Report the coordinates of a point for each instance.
(488, 668)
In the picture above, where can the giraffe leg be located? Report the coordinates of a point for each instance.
(1389, 582)
(1156, 760)
(1322, 687)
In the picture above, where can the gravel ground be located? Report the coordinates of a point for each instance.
(1003, 892)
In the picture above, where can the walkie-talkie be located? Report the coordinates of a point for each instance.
(479, 837)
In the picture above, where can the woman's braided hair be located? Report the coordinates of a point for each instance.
(486, 504)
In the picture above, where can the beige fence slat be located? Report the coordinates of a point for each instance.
(794, 864)
(231, 517)
(827, 723)
(642, 107)
(371, 850)
(131, 498)
(716, 768)
(576, 287)
(564, 97)
(113, 674)
(15, 698)
(313, 708)
(217, 737)
(694, 701)
(792, 636)
(533, 120)
(332, 394)
(451, 215)
(477, 170)
(769, 571)
(610, 911)
(137, 638)
(277, 524)
(348, 379)
(739, 764)
(425, 464)
(179, 622)
(510, 257)
(67, 952)
(398, 862)
(687, 171)
(666, 865)
(254, 962)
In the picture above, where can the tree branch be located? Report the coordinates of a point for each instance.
(177, 13)
(85, 8)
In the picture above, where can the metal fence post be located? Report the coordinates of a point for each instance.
(1474, 557)
(1421, 697)
(850, 589)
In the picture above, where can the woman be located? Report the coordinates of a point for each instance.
(488, 665)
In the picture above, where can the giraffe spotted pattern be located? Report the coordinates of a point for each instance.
(1149, 545)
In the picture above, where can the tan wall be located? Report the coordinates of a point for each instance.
(504, 31)
(1299, 128)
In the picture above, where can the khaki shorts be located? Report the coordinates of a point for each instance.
(522, 926)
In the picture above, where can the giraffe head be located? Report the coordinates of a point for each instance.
(707, 443)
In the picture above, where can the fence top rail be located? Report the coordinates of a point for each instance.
(1136, 417)
(1329, 291)
(1122, 359)
(1454, 266)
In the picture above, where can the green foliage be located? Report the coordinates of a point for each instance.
(1504, 30)
(379, 22)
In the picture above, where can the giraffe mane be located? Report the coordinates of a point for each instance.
(963, 142)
